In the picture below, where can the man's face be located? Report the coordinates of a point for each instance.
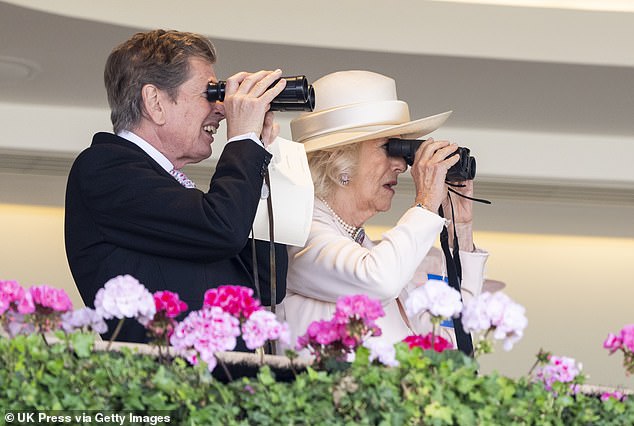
(191, 120)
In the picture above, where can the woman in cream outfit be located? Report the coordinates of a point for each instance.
(345, 138)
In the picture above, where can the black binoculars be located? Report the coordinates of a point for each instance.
(298, 95)
(464, 169)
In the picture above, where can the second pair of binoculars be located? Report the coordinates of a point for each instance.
(464, 169)
(298, 95)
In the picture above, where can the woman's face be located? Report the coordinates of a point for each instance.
(372, 186)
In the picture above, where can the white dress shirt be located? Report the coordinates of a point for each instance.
(160, 158)
(148, 149)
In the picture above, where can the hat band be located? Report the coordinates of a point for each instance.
(349, 118)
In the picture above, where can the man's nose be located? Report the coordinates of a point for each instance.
(219, 109)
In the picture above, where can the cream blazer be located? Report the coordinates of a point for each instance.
(332, 265)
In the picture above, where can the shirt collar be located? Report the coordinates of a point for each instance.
(148, 149)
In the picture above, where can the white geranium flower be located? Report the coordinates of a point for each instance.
(84, 317)
(382, 351)
(475, 317)
(124, 297)
(497, 312)
(511, 328)
(435, 297)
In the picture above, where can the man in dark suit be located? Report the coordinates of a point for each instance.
(128, 208)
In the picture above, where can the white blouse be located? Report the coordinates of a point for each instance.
(332, 265)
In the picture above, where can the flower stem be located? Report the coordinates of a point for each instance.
(535, 364)
(115, 334)
(224, 367)
(434, 323)
(260, 351)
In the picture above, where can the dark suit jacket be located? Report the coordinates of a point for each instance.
(126, 215)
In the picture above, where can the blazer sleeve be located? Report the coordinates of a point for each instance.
(138, 206)
(332, 265)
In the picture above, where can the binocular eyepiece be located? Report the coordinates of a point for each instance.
(298, 95)
(464, 169)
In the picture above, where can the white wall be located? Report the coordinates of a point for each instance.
(605, 161)
(564, 261)
(562, 35)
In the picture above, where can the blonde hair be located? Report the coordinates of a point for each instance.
(327, 166)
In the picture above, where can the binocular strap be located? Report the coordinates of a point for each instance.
(454, 275)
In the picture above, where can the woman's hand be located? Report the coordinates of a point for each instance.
(270, 130)
(429, 171)
(462, 217)
(462, 207)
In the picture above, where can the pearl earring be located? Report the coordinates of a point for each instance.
(344, 179)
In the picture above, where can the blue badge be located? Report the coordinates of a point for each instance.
(448, 322)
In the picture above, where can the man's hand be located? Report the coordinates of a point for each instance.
(247, 103)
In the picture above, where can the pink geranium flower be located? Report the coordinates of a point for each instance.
(425, 342)
(322, 332)
(170, 303)
(233, 299)
(50, 298)
(11, 294)
(623, 342)
(161, 326)
(558, 369)
(205, 332)
(618, 395)
(613, 343)
(627, 337)
(26, 305)
(262, 326)
(38, 307)
(353, 322)
(358, 306)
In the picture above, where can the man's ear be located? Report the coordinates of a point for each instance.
(153, 107)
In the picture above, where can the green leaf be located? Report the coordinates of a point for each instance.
(265, 376)
(82, 343)
(361, 357)
(437, 411)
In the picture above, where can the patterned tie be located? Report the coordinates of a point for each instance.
(182, 178)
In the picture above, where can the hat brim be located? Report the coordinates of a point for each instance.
(411, 129)
(491, 286)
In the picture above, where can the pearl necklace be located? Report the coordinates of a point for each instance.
(357, 233)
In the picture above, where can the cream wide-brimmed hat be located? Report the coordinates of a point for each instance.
(355, 106)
